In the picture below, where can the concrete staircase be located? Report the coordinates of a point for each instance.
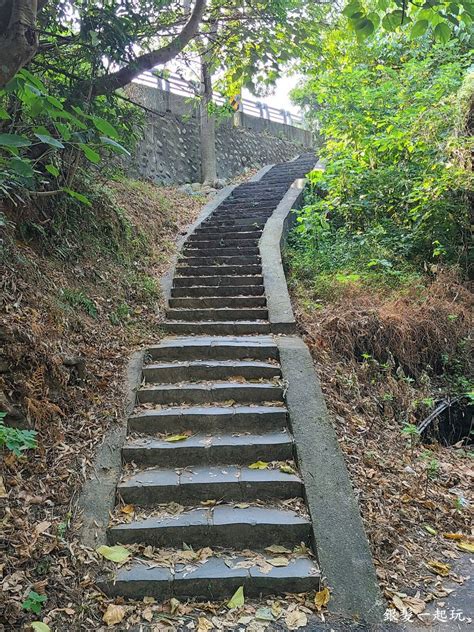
(217, 379)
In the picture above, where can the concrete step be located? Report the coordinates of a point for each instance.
(210, 229)
(224, 526)
(215, 579)
(200, 483)
(239, 223)
(208, 419)
(217, 291)
(206, 234)
(204, 449)
(191, 393)
(189, 251)
(223, 314)
(218, 261)
(196, 370)
(216, 328)
(220, 242)
(232, 301)
(215, 348)
(215, 280)
(223, 270)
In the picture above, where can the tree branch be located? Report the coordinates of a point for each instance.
(122, 77)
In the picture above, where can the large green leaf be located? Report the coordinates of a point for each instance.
(419, 28)
(105, 127)
(442, 32)
(90, 154)
(49, 140)
(117, 146)
(14, 140)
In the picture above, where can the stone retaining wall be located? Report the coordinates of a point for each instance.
(169, 151)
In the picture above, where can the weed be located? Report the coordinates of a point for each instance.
(34, 602)
(120, 314)
(16, 440)
(77, 298)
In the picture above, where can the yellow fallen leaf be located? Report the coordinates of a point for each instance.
(174, 605)
(439, 568)
(287, 469)
(296, 619)
(117, 554)
(204, 625)
(430, 529)
(128, 509)
(321, 598)
(114, 614)
(465, 545)
(3, 491)
(208, 503)
(279, 561)
(258, 465)
(241, 505)
(176, 437)
(238, 599)
(276, 609)
(277, 548)
(147, 614)
(39, 626)
(453, 536)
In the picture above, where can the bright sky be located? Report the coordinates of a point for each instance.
(280, 99)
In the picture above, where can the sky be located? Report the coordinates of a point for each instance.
(280, 99)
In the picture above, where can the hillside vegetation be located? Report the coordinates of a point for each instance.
(379, 268)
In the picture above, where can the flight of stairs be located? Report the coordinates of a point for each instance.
(199, 512)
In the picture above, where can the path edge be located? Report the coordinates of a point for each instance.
(338, 534)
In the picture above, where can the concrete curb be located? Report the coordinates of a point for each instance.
(280, 312)
(339, 536)
(97, 498)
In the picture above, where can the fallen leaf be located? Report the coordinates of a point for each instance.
(114, 553)
(42, 527)
(439, 568)
(208, 503)
(3, 491)
(238, 599)
(128, 509)
(39, 626)
(296, 619)
(264, 614)
(465, 545)
(241, 505)
(276, 548)
(278, 561)
(430, 529)
(176, 437)
(259, 465)
(147, 614)
(453, 536)
(276, 609)
(174, 605)
(204, 625)
(114, 614)
(321, 598)
(287, 469)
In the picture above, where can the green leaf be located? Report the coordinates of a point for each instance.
(114, 145)
(442, 32)
(13, 140)
(419, 28)
(21, 167)
(117, 554)
(54, 171)
(238, 599)
(89, 153)
(259, 465)
(105, 127)
(49, 140)
(391, 21)
(352, 8)
(364, 27)
(78, 196)
(176, 437)
(39, 626)
(4, 114)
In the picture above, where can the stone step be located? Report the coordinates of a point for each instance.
(209, 419)
(199, 483)
(221, 242)
(235, 301)
(218, 280)
(222, 270)
(209, 229)
(216, 328)
(191, 393)
(239, 224)
(218, 291)
(220, 348)
(216, 261)
(221, 252)
(222, 526)
(205, 234)
(204, 449)
(222, 314)
(213, 579)
(196, 370)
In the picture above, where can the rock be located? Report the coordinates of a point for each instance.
(196, 186)
(186, 188)
(220, 183)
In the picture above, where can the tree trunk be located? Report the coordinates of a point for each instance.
(18, 38)
(207, 128)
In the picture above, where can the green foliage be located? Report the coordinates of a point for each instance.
(393, 198)
(17, 441)
(50, 138)
(34, 602)
(77, 298)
